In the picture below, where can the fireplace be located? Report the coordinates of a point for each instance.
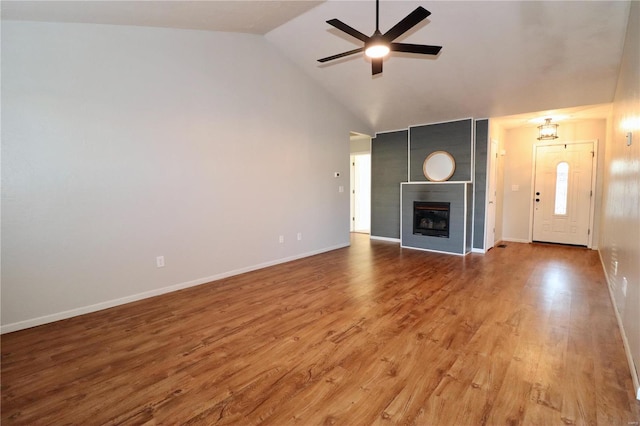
(431, 219)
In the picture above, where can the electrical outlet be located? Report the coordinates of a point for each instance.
(281, 239)
(299, 236)
(160, 261)
(341, 188)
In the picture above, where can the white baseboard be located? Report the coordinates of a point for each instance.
(625, 342)
(477, 250)
(515, 240)
(392, 240)
(435, 251)
(33, 322)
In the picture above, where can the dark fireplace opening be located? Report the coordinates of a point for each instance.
(431, 219)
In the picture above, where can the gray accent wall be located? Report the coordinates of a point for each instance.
(388, 169)
(480, 183)
(396, 166)
(455, 137)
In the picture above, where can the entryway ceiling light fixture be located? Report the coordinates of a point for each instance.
(547, 131)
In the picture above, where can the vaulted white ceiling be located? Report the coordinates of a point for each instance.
(242, 16)
(498, 58)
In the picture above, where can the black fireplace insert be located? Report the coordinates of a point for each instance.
(431, 219)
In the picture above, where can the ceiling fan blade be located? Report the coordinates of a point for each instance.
(415, 48)
(341, 55)
(407, 23)
(376, 66)
(347, 29)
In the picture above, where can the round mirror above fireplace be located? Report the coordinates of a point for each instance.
(439, 166)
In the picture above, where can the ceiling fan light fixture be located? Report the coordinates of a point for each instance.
(377, 46)
(377, 50)
(547, 131)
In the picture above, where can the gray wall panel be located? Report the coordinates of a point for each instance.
(388, 169)
(480, 182)
(453, 137)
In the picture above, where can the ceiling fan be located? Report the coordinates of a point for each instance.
(379, 45)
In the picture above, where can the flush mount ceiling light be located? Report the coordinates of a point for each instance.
(547, 131)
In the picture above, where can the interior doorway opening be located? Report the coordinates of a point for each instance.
(360, 191)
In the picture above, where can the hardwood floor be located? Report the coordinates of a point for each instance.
(370, 334)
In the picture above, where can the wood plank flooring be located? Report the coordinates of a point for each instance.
(370, 334)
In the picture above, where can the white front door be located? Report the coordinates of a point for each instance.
(562, 193)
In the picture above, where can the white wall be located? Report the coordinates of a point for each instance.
(120, 144)
(518, 163)
(620, 236)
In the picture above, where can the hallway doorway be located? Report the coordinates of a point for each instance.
(361, 193)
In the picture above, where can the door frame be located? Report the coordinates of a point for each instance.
(492, 176)
(594, 169)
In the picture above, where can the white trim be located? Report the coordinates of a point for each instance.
(391, 131)
(533, 190)
(443, 122)
(592, 213)
(477, 250)
(20, 325)
(352, 201)
(627, 349)
(391, 240)
(408, 156)
(400, 230)
(435, 251)
(426, 182)
(472, 155)
(492, 166)
(474, 123)
(465, 191)
(515, 240)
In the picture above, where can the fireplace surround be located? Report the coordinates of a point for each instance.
(458, 196)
